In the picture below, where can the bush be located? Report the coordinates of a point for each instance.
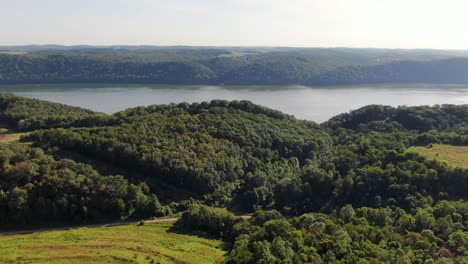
(215, 221)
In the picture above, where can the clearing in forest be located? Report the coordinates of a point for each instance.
(452, 155)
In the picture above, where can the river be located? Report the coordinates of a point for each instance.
(312, 103)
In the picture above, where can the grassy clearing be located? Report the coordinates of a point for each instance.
(150, 243)
(452, 155)
(8, 136)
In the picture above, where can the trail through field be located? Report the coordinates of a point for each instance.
(151, 221)
(124, 243)
(28, 231)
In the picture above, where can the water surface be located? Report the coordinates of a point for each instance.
(312, 103)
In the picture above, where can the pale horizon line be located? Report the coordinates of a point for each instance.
(226, 46)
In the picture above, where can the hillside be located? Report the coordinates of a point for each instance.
(347, 190)
(153, 243)
(29, 114)
(443, 118)
(207, 149)
(230, 65)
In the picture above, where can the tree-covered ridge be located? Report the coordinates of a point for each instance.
(209, 149)
(241, 155)
(453, 70)
(448, 118)
(195, 108)
(29, 114)
(36, 188)
(234, 66)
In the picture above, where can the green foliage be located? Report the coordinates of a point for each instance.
(216, 221)
(220, 150)
(29, 114)
(389, 119)
(233, 66)
(320, 238)
(348, 191)
(36, 188)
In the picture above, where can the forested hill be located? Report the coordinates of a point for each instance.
(376, 185)
(386, 119)
(28, 114)
(222, 65)
(206, 149)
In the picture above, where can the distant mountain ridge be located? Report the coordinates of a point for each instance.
(229, 65)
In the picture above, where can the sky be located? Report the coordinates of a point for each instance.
(435, 24)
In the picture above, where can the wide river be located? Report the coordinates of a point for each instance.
(312, 103)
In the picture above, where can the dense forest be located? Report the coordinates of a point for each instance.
(349, 190)
(28, 114)
(192, 65)
(37, 188)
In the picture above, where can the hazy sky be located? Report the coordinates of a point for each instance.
(305, 23)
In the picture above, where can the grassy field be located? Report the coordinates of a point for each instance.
(150, 243)
(453, 155)
(8, 135)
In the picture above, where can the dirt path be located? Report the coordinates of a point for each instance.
(152, 221)
(29, 231)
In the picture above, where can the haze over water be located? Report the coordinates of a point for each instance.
(312, 103)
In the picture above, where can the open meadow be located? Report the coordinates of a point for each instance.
(150, 243)
(453, 155)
